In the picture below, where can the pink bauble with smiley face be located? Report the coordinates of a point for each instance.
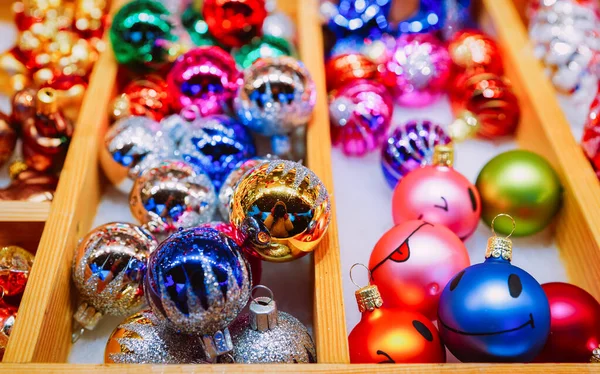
(440, 195)
(412, 263)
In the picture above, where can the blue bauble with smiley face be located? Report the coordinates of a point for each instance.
(494, 311)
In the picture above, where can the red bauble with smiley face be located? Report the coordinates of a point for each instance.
(412, 263)
(440, 195)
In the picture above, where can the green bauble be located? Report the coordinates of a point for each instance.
(266, 46)
(197, 28)
(522, 184)
(142, 35)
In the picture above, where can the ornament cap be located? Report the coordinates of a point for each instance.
(464, 126)
(217, 344)
(595, 358)
(47, 101)
(263, 311)
(498, 247)
(86, 317)
(368, 297)
(443, 155)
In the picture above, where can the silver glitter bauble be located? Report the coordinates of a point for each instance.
(127, 143)
(231, 181)
(140, 339)
(278, 95)
(108, 271)
(265, 336)
(280, 25)
(172, 195)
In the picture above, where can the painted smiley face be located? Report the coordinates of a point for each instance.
(494, 312)
(413, 261)
(438, 194)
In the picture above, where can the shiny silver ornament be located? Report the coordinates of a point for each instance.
(108, 271)
(126, 145)
(267, 336)
(141, 339)
(172, 195)
(278, 95)
(280, 25)
(231, 181)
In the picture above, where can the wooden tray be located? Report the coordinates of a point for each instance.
(42, 331)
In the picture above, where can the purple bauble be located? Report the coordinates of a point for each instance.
(361, 113)
(409, 147)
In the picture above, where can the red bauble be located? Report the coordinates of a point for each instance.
(591, 133)
(343, 69)
(15, 265)
(412, 263)
(472, 50)
(8, 313)
(234, 23)
(389, 335)
(146, 96)
(574, 326)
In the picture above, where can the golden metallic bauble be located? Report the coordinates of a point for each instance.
(282, 209)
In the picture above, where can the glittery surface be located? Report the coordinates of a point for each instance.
(282, 209)
(110, 265)
(197, 281)
(350, 17)
(172, 195)
(15, 265)
(280, 25)
(267, 46)
(289, 342)
(140, 339)
(234, 22)
(231, 181)
(218, 144)
(410, 146)
(277, 95)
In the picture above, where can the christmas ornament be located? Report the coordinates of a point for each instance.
(90, 19)
(428, 18)
(347, 68)
(590, 141)
(218, 145)
(29, 185)
(510, 307)
(131, 145)
(70, 90)
(23, 106)
(172, 195)
(279, 25)
(142, 35)
(46, 137)
(473, 51)
(349, 17)
(15, 265)
(438, 194)
(227, 229)
(234, 23)
(266, 46)
(360, 115)
(418, 258)
(8, 313)
(141, 339)
(205, 77)
(196, 27)
(532, 201)
(228, 186)
(418, 70)
(410, 146)
(8, 138)
(391, 335)
(281, 209)
(265, 335)
(108, 269)
(197, 283)
(277, 96)
(145, 96)
(457, 16)
(574, 326)
(485, 105)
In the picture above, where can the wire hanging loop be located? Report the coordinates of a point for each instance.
(352, 279)
(514, 224)
(260, 286)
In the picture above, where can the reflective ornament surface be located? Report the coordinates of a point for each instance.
(228, 186)
(418, 258)
(197, 281)
(171, 196)
(206, 78)
(418, 70)
(266, 46)
(29, 185)
(141, 339)
(8, 314)
(532, 201)
(279, 25)
(15, 265)
(343, 69)
(277, 95)
(282, 210)
(145, 96)
(234, 23)
(8, 138)
(108, 269)
(196, 27)
(474, 51)
(348, 17)
(409, 147)
(23, 106)
(217, 144)
(360, 116)
(590, 141)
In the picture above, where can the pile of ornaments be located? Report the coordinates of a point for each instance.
(203, 88)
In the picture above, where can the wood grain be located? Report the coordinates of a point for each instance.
(42, 331)
(329, 314)
(545, 130)
(24, 211)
